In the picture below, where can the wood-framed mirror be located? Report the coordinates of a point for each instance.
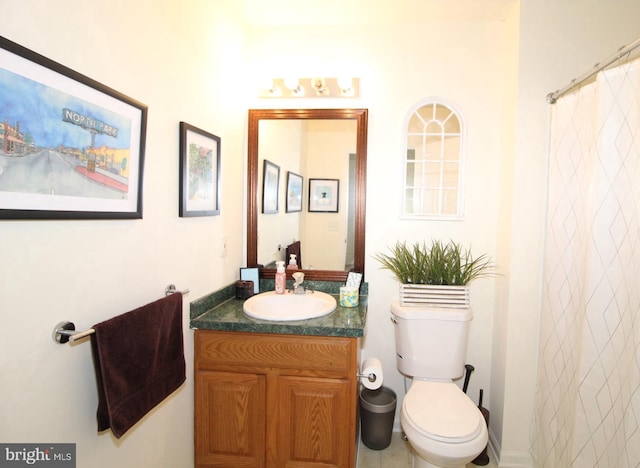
(354, 189)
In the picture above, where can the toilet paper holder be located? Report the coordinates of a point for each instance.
(371, 377)
(370, 373)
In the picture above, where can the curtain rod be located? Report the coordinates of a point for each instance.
(622, 51)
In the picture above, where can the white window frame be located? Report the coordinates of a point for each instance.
(459, 215)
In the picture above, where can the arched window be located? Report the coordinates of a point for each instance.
(433, 172)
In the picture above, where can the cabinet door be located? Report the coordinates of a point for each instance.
(315, 424)
(230, 419)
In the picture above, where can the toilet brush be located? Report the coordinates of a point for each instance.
(483, 458)
(468, 370)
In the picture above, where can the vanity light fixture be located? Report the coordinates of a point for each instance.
(316, 87)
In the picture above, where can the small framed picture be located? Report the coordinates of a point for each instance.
(251, 274)
(294, 192)
(270, 186)
(199, 172)
(323, 195)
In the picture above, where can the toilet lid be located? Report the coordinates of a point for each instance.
(441, 410)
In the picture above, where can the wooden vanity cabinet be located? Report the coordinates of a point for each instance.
(275, 401)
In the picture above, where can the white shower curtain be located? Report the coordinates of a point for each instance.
(588, 395)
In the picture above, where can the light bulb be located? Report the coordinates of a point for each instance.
(346, 86)
(345, 83)
(317, 83)
(291, 83)
(294, 85)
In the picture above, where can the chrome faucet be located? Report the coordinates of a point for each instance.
(298, 278)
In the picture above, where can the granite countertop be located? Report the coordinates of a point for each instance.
(220, 310)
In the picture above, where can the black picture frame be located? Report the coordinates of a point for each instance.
(199, 172)
(293, 201)
(324, 195)
(72, 148)
(270, 187)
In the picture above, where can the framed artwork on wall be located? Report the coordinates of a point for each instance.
(294, 192)
(323, 195)
(199, 172)
(251, 274)
(71, 148)
(270, 187)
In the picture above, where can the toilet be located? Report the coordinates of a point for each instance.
(444, 427)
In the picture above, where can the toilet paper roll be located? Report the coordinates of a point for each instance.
(371, 366)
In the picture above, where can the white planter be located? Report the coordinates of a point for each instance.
(423, 295)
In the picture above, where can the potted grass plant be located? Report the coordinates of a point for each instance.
(437, 275)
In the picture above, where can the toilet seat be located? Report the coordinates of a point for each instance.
(442, 412)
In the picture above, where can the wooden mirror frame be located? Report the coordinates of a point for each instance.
(361, 118)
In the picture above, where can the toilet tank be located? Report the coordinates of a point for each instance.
(431, 343)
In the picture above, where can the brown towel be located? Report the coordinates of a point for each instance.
(139, 361)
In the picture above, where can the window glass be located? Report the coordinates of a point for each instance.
(433, 163)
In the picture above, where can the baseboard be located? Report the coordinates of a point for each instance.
(515, 460)
(507, 458)
(396, 426)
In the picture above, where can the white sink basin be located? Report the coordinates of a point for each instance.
(289, 306)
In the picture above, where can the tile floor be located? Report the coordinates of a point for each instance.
(394, 456)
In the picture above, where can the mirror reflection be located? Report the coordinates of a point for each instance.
(311, 165)
(306, 190)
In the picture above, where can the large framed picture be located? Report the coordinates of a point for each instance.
(270, 187)
(294, 192)
(324, 195)
(199, 172)
(71, 147)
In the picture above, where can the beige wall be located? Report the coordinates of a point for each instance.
(279, 143)
(400, 64)
(324, 235)
(180, 59)
(186, 61)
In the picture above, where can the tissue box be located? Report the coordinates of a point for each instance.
(349, 296)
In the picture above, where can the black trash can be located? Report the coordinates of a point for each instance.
(377, 412)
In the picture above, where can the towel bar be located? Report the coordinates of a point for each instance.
(65, 331)
(172, 289)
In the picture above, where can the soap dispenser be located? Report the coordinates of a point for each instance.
(281, 278)
(293, 263)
